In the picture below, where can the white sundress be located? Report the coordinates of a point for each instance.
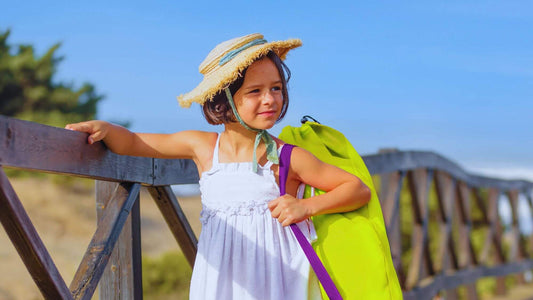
(244, 253)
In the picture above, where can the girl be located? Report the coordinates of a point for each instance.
(246, 249)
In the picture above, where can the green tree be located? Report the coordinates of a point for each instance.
(28, 90)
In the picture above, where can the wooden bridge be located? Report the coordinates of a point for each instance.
(454, 233)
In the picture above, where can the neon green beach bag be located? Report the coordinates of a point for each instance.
(353, 246)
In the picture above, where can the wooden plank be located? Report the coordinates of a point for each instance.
(390, 197)
(410, 160)
(35, 146)
(468, 258)
(529, 200)
(110, 224)
(176, 220)
(517, 252)
(466, 218)
(122, 278)
(488, 240)
(391, 186)
(493, 238)
(29, 245)
(116, 281)
(445, 187)
(136, 250)
(175, 171)
(421, 263)
(452, 280)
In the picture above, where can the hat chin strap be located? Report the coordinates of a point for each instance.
(262, 134)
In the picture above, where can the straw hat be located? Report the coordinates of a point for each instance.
(224, 64)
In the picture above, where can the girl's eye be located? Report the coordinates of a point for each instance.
(254, 91)
(276, 88)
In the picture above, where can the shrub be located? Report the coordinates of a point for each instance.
(169, 274)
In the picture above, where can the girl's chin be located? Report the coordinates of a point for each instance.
(264, 125)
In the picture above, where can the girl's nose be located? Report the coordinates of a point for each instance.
(269, 97)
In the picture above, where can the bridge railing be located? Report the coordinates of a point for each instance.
(467, 240)
(113, 256)
(408, 182)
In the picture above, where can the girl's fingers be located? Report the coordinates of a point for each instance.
(95, 137)
(272, 204)
(281, 218)
(78, 127)
(286, 210)
(275, 212)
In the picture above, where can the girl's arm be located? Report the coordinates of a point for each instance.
(122, 141)
(344, 191)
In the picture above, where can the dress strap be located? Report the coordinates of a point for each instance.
(215, 152)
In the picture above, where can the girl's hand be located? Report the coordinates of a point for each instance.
(96, 129)
(288, 210)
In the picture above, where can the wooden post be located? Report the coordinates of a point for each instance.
(529, 200)
(121, 278)
(421, 264)
(391, 187)
(447, 256)
(467, 257)
(517, 246)
(494, 238)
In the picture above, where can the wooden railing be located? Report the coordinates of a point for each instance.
(113, 256)
(408, 183)
(463, 203)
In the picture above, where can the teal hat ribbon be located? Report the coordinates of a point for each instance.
(230, 55)
(271, 146)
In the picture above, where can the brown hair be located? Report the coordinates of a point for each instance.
(218, 110)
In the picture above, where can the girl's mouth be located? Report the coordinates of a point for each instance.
(268, 113)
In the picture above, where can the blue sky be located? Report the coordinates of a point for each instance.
(454, 77)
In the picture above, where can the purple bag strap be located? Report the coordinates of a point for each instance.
(314, 260)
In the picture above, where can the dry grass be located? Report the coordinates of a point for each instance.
(65, 218)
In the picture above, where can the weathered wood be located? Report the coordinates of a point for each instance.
(166, 171)
(529, 200)
(467, 258)
(453, 280)
(445, 188)
(466, 228)
(493, 238)
(518, 251)
(176, 220)
(391, 186)
(136, 253)
(110, 224)
(421, 263)
(122, 278)
(33, 146)
(410, 160)
(497, 230)
(29, 245)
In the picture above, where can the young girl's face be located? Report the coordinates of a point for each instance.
(260, 99)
